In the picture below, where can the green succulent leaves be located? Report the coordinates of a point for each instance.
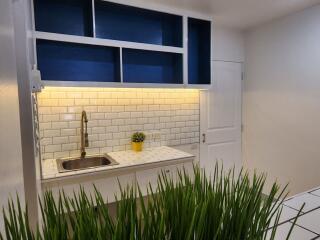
(138, 137)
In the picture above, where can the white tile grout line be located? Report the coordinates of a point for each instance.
(309, 191)
(305, 213)
(299, 209)
(314, 194)
(284, 203)
(288, 221)
(306, 229)
(302, 213)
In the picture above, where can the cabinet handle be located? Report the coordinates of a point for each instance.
(203, 137)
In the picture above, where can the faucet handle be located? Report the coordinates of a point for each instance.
(86, 140)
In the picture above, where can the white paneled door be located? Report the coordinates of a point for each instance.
(220, 114)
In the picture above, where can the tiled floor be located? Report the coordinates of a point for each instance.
(308, 224)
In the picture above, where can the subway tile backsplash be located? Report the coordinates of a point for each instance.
(167, 116)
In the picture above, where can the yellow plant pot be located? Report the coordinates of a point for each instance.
(137, 146)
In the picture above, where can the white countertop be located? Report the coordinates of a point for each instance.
(125, 159)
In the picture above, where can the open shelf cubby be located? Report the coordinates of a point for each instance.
(72, 17)
(120, 22)
(199, 51)
(61, 61)
(141, 66)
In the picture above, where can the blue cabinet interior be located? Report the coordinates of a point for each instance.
(61, 61)
(141, 66)
(121, 22)
(72, 17)
(199, 51)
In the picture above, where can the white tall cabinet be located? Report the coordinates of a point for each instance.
(11, 166)
(220, 106)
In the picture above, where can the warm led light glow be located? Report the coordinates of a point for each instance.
(160, 95)
(114, 114)
(100, 89)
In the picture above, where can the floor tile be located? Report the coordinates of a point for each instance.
(311, 201)
(298, 233)
(311, 221)
(316, 192)
(286, 214)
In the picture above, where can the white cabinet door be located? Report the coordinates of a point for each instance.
(107, 186)
(110, 187)
(149, 177)
(220, 116)
(182, 167)
(51, 186)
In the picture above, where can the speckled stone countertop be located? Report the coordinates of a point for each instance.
(124, 158)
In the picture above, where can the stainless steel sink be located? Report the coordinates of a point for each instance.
(74, 164)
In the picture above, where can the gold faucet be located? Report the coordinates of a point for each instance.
(84, 134)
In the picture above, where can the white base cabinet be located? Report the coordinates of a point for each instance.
(108, 182)
(108, 186)
(149, 178)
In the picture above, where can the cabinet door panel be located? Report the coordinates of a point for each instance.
(146, 178)
(53, 187)
(183, 167)
(108, 186)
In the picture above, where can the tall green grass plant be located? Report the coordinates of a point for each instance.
(224, 206)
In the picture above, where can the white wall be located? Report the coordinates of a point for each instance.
(228, 44)
(282, 100)
(11, 171)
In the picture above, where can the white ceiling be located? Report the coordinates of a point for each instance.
(241, 14)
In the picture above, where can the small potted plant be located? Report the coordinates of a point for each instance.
(137, 141)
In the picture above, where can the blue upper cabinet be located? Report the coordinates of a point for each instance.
(140, 66)
(61, 61)
(72, 17)
(199, 51)
(101, 43)
(121, 22)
